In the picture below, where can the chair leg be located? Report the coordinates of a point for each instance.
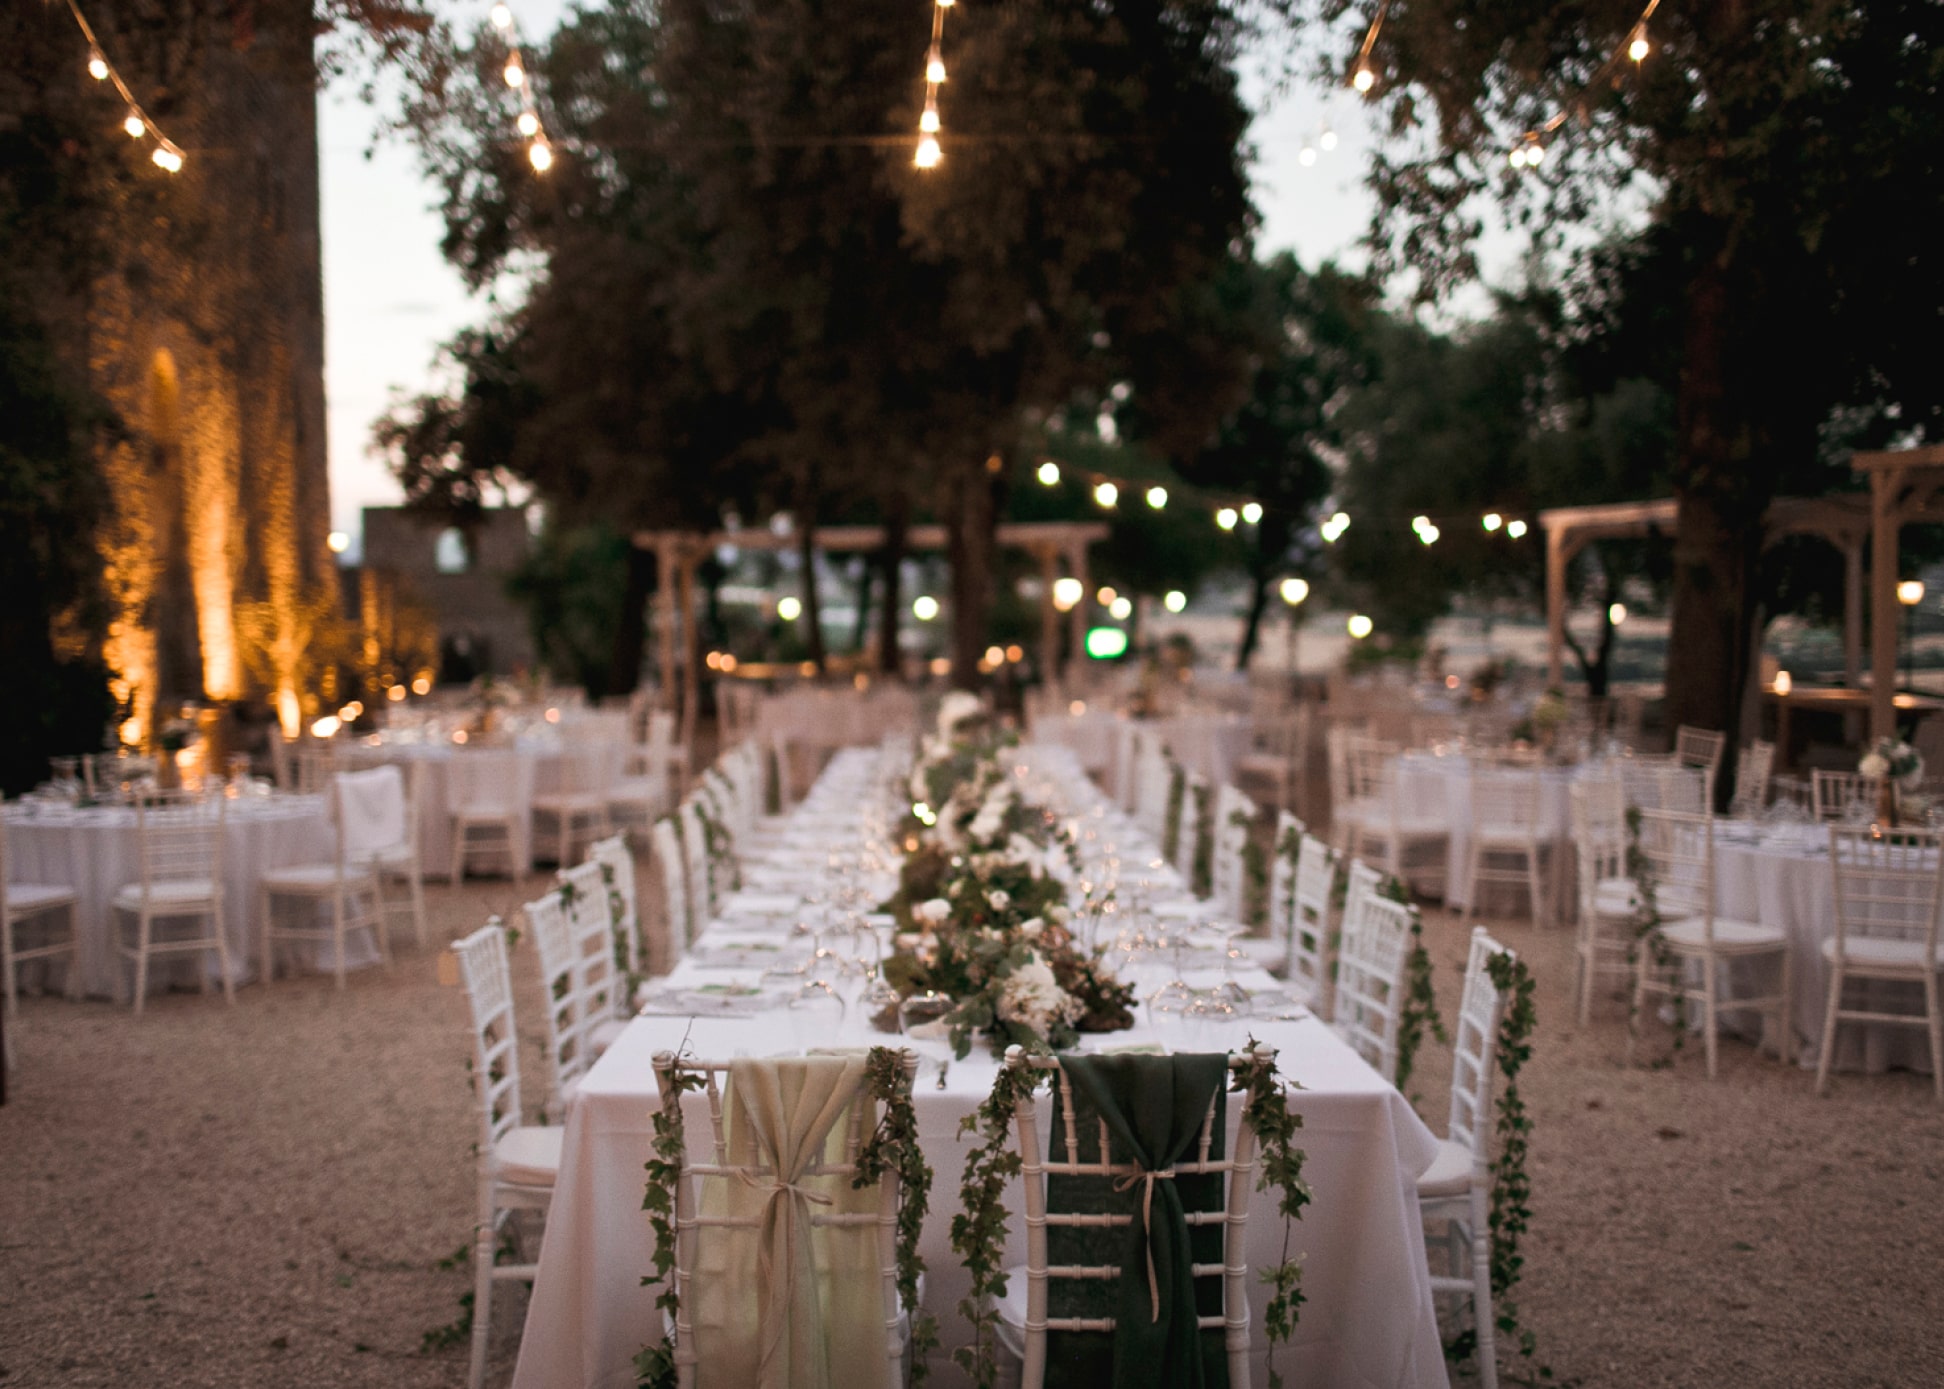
(482, 1290)
(141, 959)
(269, 945)
(417, 885)
(7, 967)
(1586, 970)
(337, 934)
(1639, 999)
(1712, 1040)
(1828, 1049)
(222, 949)
(1476, 862)
(457, 869)
(1482, 1314)
(1787, 1045)
(1936, 1029)
(1533, 885)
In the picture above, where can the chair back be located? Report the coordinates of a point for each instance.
(1843, 795)
(1599, 809)
(1678, 850)
(1889, 886)
(484, 971)
(181, 838)
(1640, 780)
(1188, 826)
(1752, 772)
(482, 782)
(1312, 952)
(599, 947)
(1235, 816)
(730, 1166)
(568, 1048)
(1699, 747)
(665, 840)
(317, 760)
(373, 813)
(1475, 1050)
(1686, 789)
(697, 862)
(1372, 954)
(1505, 800)
(1085, 1153)
(619, 872)
(1285, 852)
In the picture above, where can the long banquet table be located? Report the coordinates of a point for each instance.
(1368, 1319)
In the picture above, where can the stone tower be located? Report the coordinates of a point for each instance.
(205, 333)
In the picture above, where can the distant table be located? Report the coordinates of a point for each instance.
(1826, 699)
(97, 852)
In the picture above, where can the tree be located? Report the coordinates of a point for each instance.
(1787, 150)
(858, 332)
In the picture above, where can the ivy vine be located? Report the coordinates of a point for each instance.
(892, 1147)
(1255, 870)
(1171, 826)
(720, 845)
(1201, 862)
(1647, 932)
(1419, 1012)
(1511, 1206)
(1269, 1118)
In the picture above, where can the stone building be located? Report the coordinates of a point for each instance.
(457, 579)
(205, 335)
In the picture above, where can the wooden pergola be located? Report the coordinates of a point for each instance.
(1843, 520)
(1904, 490)
(677, 553)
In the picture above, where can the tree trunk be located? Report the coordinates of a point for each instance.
(631, 633)
(1252, 625)
(897, 516)
(812, 609)
(971, 526)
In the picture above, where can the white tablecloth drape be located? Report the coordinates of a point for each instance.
(98, 851)
(1368, 1320)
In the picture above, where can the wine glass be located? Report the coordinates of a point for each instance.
(816, 1014)
(921, 1018)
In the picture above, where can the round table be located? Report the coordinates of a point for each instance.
(97, 851)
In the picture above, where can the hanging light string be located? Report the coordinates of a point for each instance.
(1529, 150)
(929, 153)
(167, 154)
(1362, 75)
(539, 150)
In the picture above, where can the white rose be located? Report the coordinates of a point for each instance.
(1874, 764)
(1059, 913)
(956, 708)
(999, 898)
(1031, 929)
(932, 912)
(1033, 998)
(908, 941)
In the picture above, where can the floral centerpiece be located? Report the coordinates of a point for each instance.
(981, 903)
(1897, 767)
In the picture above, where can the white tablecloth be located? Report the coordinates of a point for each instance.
(1368, 1320)
(1207, 744)
(97, 852)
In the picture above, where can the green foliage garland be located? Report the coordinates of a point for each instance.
(721, 846)
(1420, 1010)
(1201, 867)
(1281, 1162)
(892, 1147)
(1171, 826)
(1255, 870)
(1647, 932)
(1511, 1209)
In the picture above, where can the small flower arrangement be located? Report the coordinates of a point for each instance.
(1892, 759)
(175, 735)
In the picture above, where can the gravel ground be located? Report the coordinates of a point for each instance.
(261, 1195)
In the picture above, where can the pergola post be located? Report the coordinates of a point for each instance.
(1853, 612)
(1049, 565)
(1556, 558)
(1885, 484)
(665, 600)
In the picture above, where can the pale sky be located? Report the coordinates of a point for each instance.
(390, 299)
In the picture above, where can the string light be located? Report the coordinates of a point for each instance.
(929, 152)
(1157, 497)
(1306, 156)
(1362, 76)
(1049, 474)
(1252, 512)
(1529, 151)
(1516, 529)
(167, 155)
(540, 152)
(1493, 520)
(1106, 494)
(1227, 517)
(1328, 139)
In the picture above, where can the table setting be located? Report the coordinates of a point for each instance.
(957, 910)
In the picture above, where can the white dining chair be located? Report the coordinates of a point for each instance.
(699, 864)
(599, 948)
(180, 845)
(1678, 848)
(1456, 1189)
(1077, 1152)
(36, 924)
(1373, 953)
(575, 811)
(1701, 749)
(723, 1219)
(570, 1050)
(382, 810)
(1609, 901)
(1843, 795)
(618, 864)
(516, 1165)
(1889, 897)
(483, 798)
(1228, 869)
(1407, 836)
(1753, 769)
(347, 882)
(1278, 761)
(1505, 825)
(1271, 950)
(671, 941)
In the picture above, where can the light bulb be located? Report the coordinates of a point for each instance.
(1157, 497)
(1294, 591)
(1535, 154)
(1493, 520)
(540, 155)
(1121, 609)
(135, 126)
(528, 123)
(1107, 494)
(1306, 156)
(167, 158)
(515, 75)
(789, 609)
(1616, 613)
(929, 121)
(934, 68)
(924, 607)
(1364, 79)
(1049, 473)
(502, 17)
(1067, 592)
(1517, 158)
(97, 67)
(1328, 139)
(1639, 48)
(1516, 529)
(1252, 512)
(1107, 596)
(946, 4)
(1359, 626)
(1175, 600)
(928, 153)
(1226, 518)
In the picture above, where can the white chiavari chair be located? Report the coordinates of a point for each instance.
(1843, 796)
(577, 810)
(618, 864)
(483, 799)
(1753, 770)
(1889, 895)
(36, 923)
(1609, 904)
(347, 882)
(1506, 825)
(668, 944)
(1373, 952)
(181, 852)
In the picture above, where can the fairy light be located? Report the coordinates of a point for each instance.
(539, 152)
(1106, 494)
(1362, 75)
(1529, 150)
(929, 152)
(1049, 474)
(1157, 497)
(1252, 512)
(1327, 139)
(167, 155)
(528, 124)
(1227, 517)
(1637, 47)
